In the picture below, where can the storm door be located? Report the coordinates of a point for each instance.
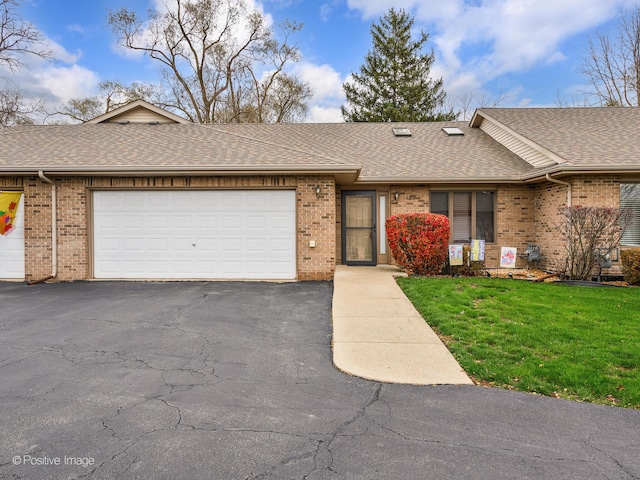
(359, 228)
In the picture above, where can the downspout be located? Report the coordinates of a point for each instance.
(54, 236)
(554, 180)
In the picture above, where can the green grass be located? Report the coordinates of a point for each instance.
(565, 341)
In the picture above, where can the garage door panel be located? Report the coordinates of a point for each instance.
(133, 267)
(257, 245)
(255, 221)
(194, 234)
(133, 222)
(132, 199)
(231, 245)
(231, 222)
(156, 221)
(257, 199)
(159, 244)
(134, 245)
(281, 222)
(108, 221)
(231, 268)
(279, 267)
(232, 199)
(207, 244)
(12, 248)
(207, 222)
(181, 245)
(280, 245)
(207, 268)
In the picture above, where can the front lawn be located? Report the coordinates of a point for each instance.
(565, 341)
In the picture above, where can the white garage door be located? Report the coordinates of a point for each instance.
(221, 234)
(12, 248)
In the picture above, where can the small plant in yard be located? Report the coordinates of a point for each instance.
(589, 233)
(552, 339)
(419, 242)
(630, 260)
(468, 268)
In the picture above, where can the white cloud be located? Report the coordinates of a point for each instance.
(327, 92)
(64, 83)
(61, 54)
(477, 41)
(319, 114)
(325, 81)
(52, 82)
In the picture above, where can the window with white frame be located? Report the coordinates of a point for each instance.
(630, 199)
(471, 214)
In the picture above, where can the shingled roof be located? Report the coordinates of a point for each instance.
(372, 150)
(590, 138)
(600, 138)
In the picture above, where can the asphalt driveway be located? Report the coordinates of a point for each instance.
(235, 380)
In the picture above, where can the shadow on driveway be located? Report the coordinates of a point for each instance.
(221, 380)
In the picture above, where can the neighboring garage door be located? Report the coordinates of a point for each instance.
(195, 234)
(12, 248)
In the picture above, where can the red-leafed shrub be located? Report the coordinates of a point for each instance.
(419, 242)
(630, 260)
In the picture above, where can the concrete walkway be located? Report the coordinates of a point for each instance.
(379, 335)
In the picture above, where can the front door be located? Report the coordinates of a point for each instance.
(359, 228)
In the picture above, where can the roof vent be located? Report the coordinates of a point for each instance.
(123, 122)
(155, 122)
(402, 132)
(452, 131)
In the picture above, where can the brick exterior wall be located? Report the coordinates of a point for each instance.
(37, 228)
(410, 199)
(524, 214)
(549, 198)
(514, 223)
(315, 218)
(514, 215)
(317, 223)
(587, 191)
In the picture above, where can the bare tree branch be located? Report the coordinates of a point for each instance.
(468, 101)
(15, 110)
(612, 64)
(18, 38)
(111, 95)
(219, 58)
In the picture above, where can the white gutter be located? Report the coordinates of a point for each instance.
(54, 222)
(554, 180)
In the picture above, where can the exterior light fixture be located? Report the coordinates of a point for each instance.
(396, 195)
(318, 189)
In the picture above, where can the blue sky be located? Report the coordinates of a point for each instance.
(526, 52)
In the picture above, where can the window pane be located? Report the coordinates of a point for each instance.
(484, 216)
(462, 217)
(630, 198)
(439, 203)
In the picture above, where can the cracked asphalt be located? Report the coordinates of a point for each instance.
(218, 380)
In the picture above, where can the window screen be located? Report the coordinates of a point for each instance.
(462, 217)
(484, 216)
(440, 203)
(630, 198)
(467, 222)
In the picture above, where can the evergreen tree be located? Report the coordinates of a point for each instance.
(394, 83)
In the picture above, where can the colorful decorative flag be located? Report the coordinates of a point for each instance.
(9, 202)
(508, 257)
(455, 255)
(477, 250)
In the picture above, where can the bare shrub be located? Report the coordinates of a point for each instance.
(589, 233)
